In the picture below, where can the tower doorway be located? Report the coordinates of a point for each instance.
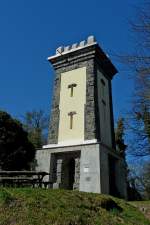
(68, 173)
(112, 176)
(66, 170)
(71, 169)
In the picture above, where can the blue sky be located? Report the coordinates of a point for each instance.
(30, 31)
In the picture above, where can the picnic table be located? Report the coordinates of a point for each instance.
(22, 178)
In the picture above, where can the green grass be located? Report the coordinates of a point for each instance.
(143, 206)
(24, 206)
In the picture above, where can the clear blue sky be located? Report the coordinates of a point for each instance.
(31, 30)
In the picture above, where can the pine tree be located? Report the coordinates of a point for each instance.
(119, 137)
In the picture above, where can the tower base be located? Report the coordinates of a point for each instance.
(88, 167)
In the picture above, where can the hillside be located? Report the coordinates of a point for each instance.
(60, 207)
(143, 206)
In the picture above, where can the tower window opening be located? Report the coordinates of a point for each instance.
(71, 114)
(104, 110)
(103, 88)
(71, 86)
(103, 82)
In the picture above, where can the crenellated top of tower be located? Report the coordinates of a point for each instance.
(82, 51)
(62, 50)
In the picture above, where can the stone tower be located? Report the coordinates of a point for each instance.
(80, 153)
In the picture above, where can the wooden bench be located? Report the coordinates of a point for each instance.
(18, 181)
(23, 178)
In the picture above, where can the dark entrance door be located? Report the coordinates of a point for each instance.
(112, 176)
(71, 170)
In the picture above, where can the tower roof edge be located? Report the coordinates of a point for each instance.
(82, 50)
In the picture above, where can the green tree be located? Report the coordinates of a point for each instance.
(36, 124)
(119, 137)
(16, 152)
(121, 148)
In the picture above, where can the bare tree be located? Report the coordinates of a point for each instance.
(36, 124)
(139, 63)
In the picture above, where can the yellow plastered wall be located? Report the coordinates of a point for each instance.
(70, 104)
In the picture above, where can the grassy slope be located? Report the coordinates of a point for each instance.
(59, 207)
(143, 206)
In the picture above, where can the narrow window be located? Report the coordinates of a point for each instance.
(103, 88)
(104, 110)
(71, 86)
(71, 114)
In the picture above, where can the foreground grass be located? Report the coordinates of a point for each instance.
(143, 206)
(60, 207)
